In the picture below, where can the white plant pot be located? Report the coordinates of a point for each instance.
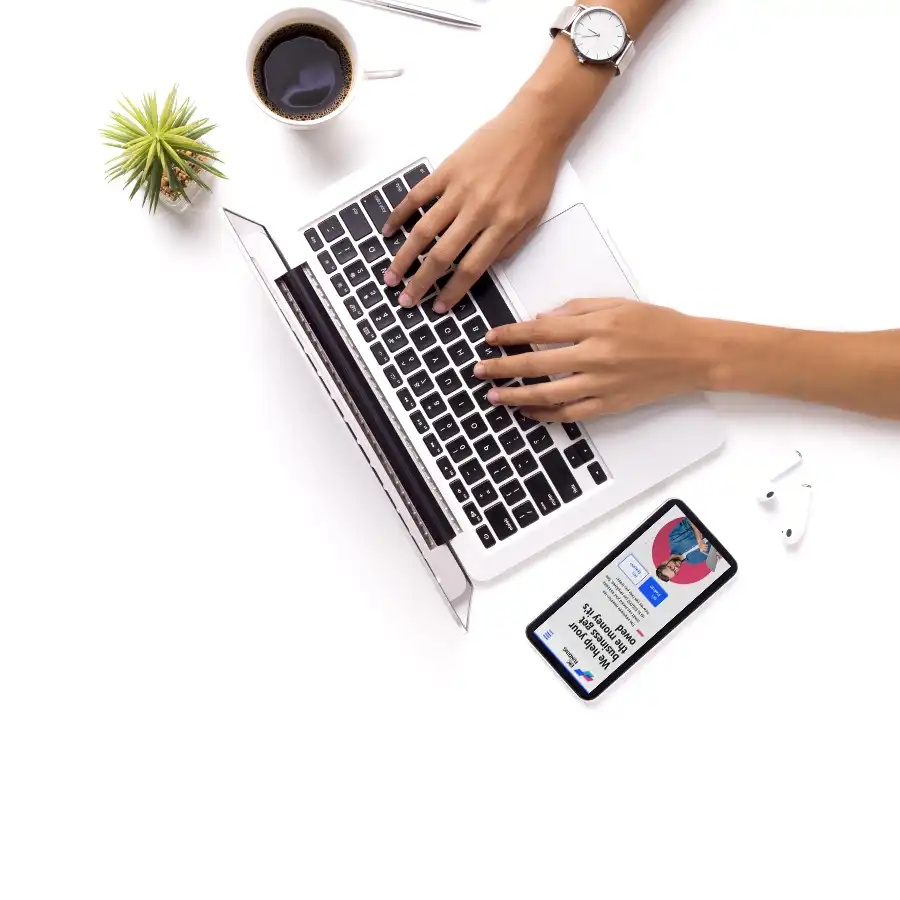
(192, 189)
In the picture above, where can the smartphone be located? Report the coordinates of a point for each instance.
(630, 601)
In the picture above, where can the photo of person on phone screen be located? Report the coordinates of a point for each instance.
(686, 545)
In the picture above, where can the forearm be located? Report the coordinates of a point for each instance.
(855, 371)
(564, 91)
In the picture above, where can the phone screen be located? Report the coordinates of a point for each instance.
(633, 599)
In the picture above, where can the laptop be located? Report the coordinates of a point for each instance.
(480, 489)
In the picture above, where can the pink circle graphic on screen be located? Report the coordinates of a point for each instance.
(690, 573)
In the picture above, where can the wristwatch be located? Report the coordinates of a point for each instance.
(598, 34)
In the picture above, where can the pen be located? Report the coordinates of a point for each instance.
(422, 12)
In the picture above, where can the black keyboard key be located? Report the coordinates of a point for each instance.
(448, 382)
(406, 398)
(382, 317)
(412, 221)
(462, 404)
(435, 359)
(511, 441)
(459, 449)
(413, 268)
(343, 251)
(313, 239)
(395, 242)
(486, 537)
(423, 338)
(471, 471)
(407, 361)
(540, 440)
(486, 448)
(459, 490)
(380, 354)
(461, 353)
(525, 515)
(393, 294)
(517, 349)
(571, 429)
(578, 454)
(420, 382)
(446, 428)
(368, 295)
(356, 273)
(395, 191)
(471, 511)
(376, 208)
(499, 418)
(484, 493)
(433, 445)
(584, 451)
(524, 463)
(447, 470)
(417, 174)
(353, 308)
(542, 494)
(331, 229)
(419, 422)
(434, 405)
(340, 285)
(326, 262)
(366, 330)
(486, 351)
(474, 426)
(524, 422)
(395, 339)
(499, 469)
(428, 309)
(513, 492)
(481, 397)
(393, 377)
(489, 299)
(475, 329)
(597, 473)
(409, 317)
(464, 309)
(561, 476)
(371, 249)
(447, 329)
(470, 378)
(379, 269)
(357, 224)
(543, 379)
(501, 521)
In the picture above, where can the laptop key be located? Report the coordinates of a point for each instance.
(313, 239)
(446, 428)
(470, 378)
(447, 329)
(540, 439)
(499, 418)
(597, 473)
(382, 317)
(484, 493)
(395, 191)
(500, 469)
(542, 494)
(408, 361)
(461, 353)
(572, 430)
(486, 351)
(343, 251)
(490, 301)
(513, 492)
(459, 449)
(578, 454)
(412, 221)
(475, 329)
(427, 307)
(376, 208)
(417, 174)
(409, 317)
(517, 349)
(357, 224)
(368, 295)
(420, 382)
(395, 339)
(419, 422)
(331, 229)
(525, 463)
(474, 426)
(326, 262)
(543, 379)
(524, 422)
(448, 382)
(435, 359)
(471, 471)
(487, 539)
(393, 377)
(464, 309)
(380, 354)
(353, 308)
(356, 273)
(511, 441)
(501, 521)
(371, 249)
(340, 285)
(379, 269)
(434, 405)
(395, 242)
(525, 515)
(471, 511)
(459, 490)
(446, 468)
(481, 397)
(365, 329)
(486, 448)
(433, 445)
(406, 398)
(393, 294)
(462, 404)
(423, 337)
(561, 476)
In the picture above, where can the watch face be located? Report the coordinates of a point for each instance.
(599, 35)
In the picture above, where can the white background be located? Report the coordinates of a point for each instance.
(183, 521)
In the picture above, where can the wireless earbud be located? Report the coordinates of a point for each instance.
(797, 516)
(769, 492)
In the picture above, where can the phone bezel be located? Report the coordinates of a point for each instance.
(642, 529)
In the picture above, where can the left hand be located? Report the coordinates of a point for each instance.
(624, 354)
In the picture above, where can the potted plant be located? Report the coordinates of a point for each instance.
(161, 150)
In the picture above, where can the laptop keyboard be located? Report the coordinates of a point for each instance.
(504, 470)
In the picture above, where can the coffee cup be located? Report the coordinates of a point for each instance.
(305, 68)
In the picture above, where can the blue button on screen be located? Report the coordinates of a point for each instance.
(652, 590)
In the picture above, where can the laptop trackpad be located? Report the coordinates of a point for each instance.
(566, 258)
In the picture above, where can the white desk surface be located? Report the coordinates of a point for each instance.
(223, 674)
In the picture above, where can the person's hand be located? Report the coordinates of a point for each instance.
(624, 354)
(492, 191)
(704, 545)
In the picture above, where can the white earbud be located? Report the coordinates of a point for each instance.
(797, 517)
(769, 492)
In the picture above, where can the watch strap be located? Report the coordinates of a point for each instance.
(566, 18)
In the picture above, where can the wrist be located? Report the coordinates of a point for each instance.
(740, 356)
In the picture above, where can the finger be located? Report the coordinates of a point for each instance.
(570, 412)
(583, 306)
(529, 365)
(516, 244)
(471, 267)
(419, 238)
(552, 330)
(551, 393)
(439, 259)
(425, 190)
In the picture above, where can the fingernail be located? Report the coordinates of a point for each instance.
(405, 300)
(493, 396)
(439, 308)
(391, 278)
(489, 337)
(478, 371)
(387, 231)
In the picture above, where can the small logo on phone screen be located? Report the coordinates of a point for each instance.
(587, 676)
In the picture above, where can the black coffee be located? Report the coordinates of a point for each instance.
(302, 72)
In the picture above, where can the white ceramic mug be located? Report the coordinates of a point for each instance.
(309, 15)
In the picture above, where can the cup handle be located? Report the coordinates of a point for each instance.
(378, 74)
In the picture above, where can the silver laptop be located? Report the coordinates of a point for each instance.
(479, 488)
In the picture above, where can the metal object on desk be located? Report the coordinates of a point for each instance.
(422, 12)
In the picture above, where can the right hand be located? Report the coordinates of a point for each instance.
(492, 191)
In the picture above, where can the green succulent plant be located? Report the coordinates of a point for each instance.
(161, 150)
